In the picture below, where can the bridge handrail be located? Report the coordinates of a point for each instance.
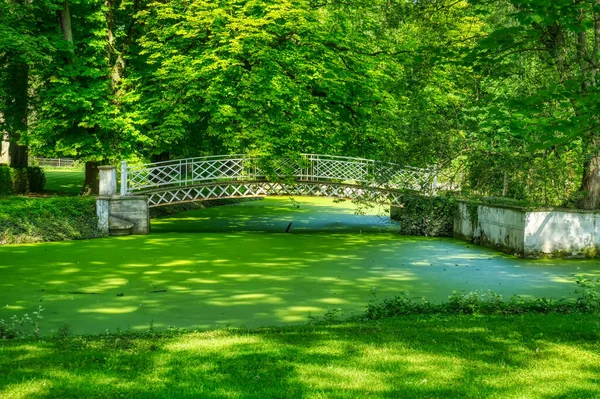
(183, 172)
(236, 156)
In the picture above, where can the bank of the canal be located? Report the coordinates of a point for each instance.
(235, 265)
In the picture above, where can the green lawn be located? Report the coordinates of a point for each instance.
(534, 356)
(64, 181)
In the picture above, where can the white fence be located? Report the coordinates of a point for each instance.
(53, 162)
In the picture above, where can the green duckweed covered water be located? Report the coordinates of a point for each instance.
(236, 266)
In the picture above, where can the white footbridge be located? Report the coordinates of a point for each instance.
(242, 176)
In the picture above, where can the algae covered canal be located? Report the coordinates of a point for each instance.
(236, 266)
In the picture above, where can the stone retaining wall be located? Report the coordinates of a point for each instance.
(529, 233)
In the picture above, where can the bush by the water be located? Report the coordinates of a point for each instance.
(586, 300)
(5, 180)
(25, 220)
(36, 179)
(31, 179)
(425, 216)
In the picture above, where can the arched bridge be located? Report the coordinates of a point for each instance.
(239, 176)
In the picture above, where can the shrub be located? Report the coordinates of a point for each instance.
(36, 178)
(5, 180)
(488, 303)
(20, 180)
(22, 327)
(425, 216)
(24, 220)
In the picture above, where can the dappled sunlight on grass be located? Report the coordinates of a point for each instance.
(533, 356)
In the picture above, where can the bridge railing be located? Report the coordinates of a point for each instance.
(308, 167)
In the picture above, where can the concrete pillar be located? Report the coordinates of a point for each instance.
(4, 148)
(108, 188)
(103, 212)
(120, 209)
(108, 181)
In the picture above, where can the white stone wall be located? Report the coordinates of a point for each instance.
(108, 181)
(495, 227)
(528, 233)
(463, 227)
(501, 228)
(565, 233)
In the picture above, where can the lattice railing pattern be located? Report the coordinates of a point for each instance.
(184, 173)
(248, 189)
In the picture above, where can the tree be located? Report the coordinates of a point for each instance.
(268, 78)
(544, 58)
(22, 44)
(80, 112)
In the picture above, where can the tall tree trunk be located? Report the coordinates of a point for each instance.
(16, 114)
(115, 56)
(91, 185)
(590, 184)
(64, 21)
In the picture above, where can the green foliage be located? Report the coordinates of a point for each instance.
(22, 326)
(506, 87)
(24, 220)
(425, 216)
(536, 120)
(588, 294)
(544, 178)
(488, 303)
(5, 181)
(36, 178)
(271, 77)
(20, 180)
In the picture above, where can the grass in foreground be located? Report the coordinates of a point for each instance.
(530, 356)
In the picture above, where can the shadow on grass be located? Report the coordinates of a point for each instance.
(551, 356)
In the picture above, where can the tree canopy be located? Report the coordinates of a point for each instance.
(501, 94)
